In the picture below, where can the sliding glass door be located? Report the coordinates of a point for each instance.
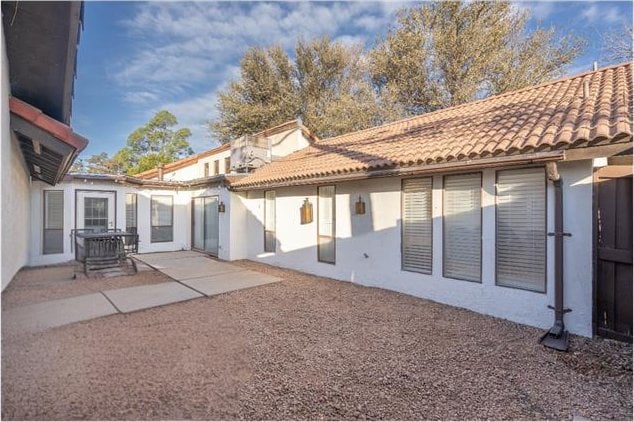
(205, 230)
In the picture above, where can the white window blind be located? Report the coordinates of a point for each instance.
(462, 228)
(269, 221)
(416, 252)
(53, 231)
(162, 218)
(130, 212)
(326, 224)
(521, 229)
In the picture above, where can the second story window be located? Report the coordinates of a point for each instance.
(217, 167)
(227, 165)
(206, 169)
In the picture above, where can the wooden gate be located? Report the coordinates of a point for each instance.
(613, 305)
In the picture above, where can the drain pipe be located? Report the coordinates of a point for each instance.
(557, 337)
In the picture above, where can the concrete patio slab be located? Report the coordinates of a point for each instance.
(132, 299)
(55, 313)
(194, 268)
(166, 256)
(228, 282)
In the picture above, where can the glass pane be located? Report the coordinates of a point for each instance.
(462, 226)
(521, 229)
(199, 229)
(130, 212)
(326, 224)
(161, 210)
(96, 213)
(162, 234)
(269, 221)
(211, 225)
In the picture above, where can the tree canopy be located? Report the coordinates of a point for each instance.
(156, 142)
(436, 55)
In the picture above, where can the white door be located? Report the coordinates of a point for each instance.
(95, 210)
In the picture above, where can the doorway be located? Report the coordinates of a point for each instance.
(613, 290)
(95, 210)
(205, 224)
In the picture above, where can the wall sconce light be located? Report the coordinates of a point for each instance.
(359, 206)
(306, 212)
(221, 207)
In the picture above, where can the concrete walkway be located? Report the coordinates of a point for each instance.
(196, 275)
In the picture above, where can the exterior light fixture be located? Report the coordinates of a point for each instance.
(221, 207)
(306, 212)
(359, 206)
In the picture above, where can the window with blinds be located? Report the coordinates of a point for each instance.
(416, 236)
(521, 229)
(326, 224)
(462, 226)
(53, 228)
(162, 213)
(269, 221)
(131, 213)
(227, 165)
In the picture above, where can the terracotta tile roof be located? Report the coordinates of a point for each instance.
(551, 117)
(188, 161)
(59, 130)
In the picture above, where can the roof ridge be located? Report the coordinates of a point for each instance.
(491, 98)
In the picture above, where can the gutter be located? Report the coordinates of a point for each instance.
(524, 159)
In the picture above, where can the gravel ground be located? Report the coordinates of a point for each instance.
(309, 348)
(39, 284)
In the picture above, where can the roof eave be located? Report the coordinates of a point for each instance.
(491, 162)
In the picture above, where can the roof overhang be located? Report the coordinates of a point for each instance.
(416, 170)
(41, 41)
(211, 181)
(49, 147)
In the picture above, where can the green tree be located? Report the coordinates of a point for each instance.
(446, 53)
(327, 85)
(156, 142)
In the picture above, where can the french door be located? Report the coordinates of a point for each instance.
(205, 230)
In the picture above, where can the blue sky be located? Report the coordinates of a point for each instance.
(137, 58)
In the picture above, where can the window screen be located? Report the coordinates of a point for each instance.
(206, 169)
(227, 165)
(53, 230)
(217, 167)
(521, 229)
(416, 254)
(162, 218)
(462, 226)
(131, 213)
(269, 221)
(326, 224)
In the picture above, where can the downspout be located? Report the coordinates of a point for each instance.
(557, 336)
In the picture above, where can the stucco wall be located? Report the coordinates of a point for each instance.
(14, 190)
(182, 217)
(368, 247)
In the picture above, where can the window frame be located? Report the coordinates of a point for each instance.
(206, 169)
(431, 219)
(334, 225)
(275, 221)
(216, 167)
(44, 220)
(545, 192)
(444, 237)
(171, 223)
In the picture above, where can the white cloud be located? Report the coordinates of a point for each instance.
(596, 12)
(181, 50)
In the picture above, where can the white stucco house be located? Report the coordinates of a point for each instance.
(504, 206)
